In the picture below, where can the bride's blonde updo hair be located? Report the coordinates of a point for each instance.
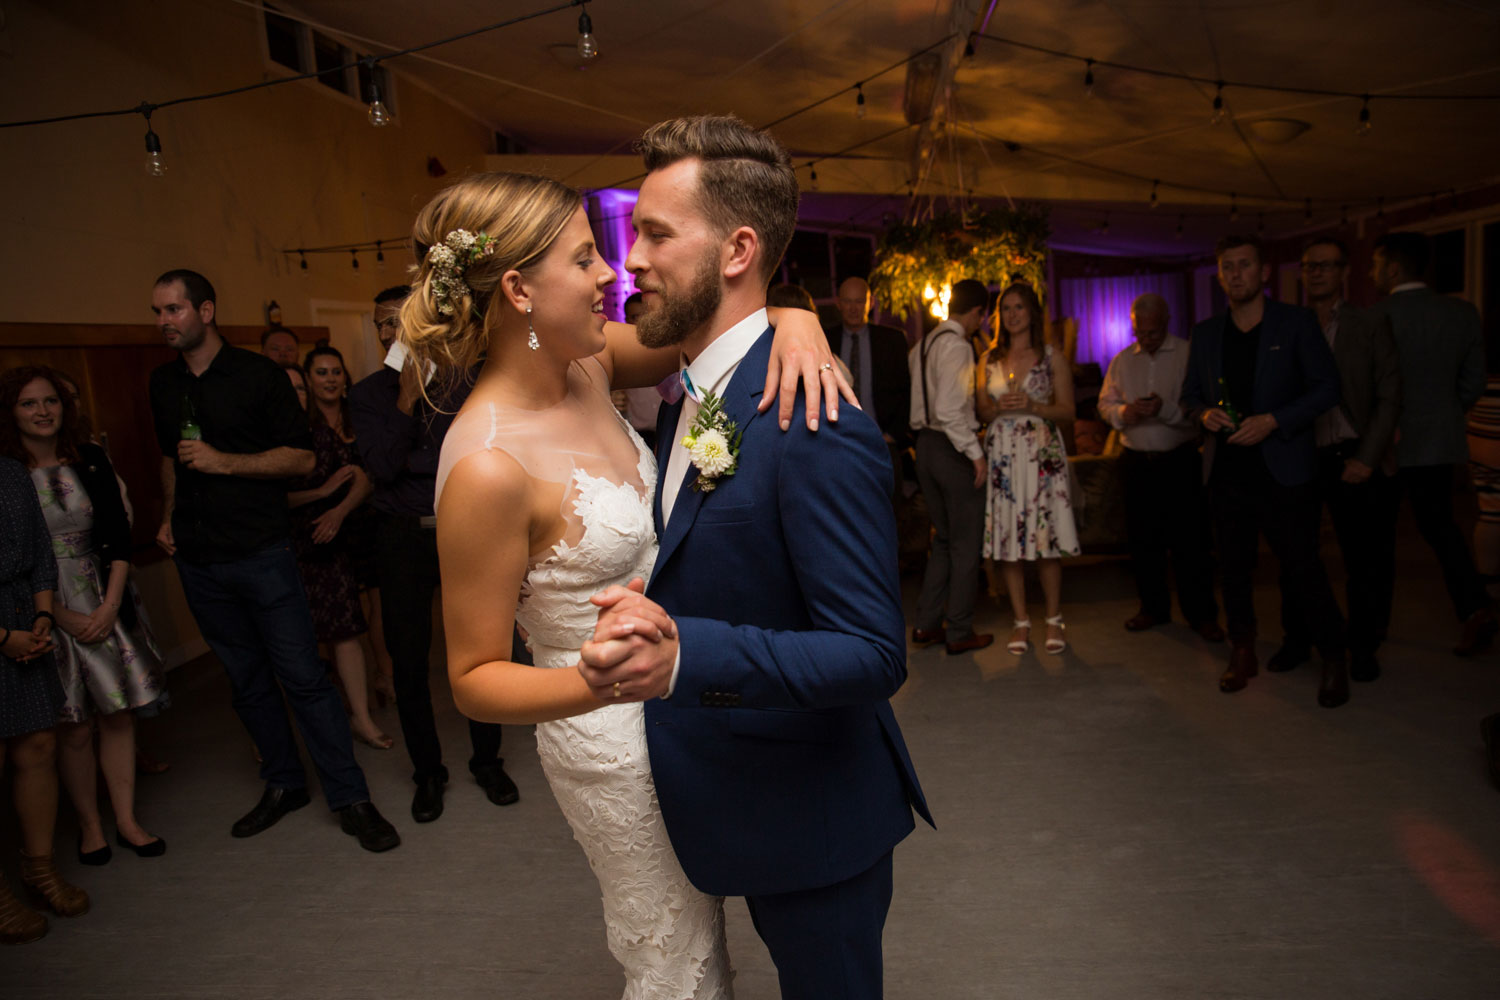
(447, 324)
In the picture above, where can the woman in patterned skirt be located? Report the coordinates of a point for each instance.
(1023, 390)
(320, 504)
(106, 658)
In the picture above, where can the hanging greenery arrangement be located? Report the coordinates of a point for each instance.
(916, 261)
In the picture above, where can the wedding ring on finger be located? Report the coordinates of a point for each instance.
(826, 366)
(617, 689)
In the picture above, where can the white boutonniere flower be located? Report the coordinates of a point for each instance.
(713, 444)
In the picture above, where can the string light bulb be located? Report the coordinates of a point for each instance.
(1180, 217)
(1155, 204)
(379, 114)
(354, 258)
(155, 166)
(1363, 128)
(812, 176)
(588, 49)
(379, 257)
(1234, 207)
(303, 257)
(1088, 79)
(1219, 113)
(1103, 229)
(859, 100)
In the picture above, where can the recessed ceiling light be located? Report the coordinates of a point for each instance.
(1275, 131)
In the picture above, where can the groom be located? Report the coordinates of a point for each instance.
(780, 769)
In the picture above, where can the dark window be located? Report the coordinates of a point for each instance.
(807, 261)
(852, 258)
(329, 56)
(1448, 262)
(281, 40)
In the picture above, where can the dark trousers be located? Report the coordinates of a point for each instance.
(407, 568)
(1430, 490)
(1364, 522)
(1247, 502)
(1164, 515)
(253, 614)
(951, 583)
(826, 942)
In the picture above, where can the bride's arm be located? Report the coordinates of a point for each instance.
(483, 549)
(798, 352)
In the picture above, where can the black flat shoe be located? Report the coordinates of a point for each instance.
(374, 831)
(95, 858)
(152, 849)
(273, 805)
(497, 784)
(427, 804)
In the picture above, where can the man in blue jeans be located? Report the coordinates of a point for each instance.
(231, 434)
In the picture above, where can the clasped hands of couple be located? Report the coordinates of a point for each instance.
(634, 648)
(1254, 430)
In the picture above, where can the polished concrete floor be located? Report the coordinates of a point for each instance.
(1109, 826)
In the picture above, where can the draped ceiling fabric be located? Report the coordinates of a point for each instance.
(1102, 308)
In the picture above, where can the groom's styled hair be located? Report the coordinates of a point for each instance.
(746, 177)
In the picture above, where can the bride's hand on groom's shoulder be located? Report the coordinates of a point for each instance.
(634, 647)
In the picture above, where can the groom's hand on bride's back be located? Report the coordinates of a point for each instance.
(634, 648)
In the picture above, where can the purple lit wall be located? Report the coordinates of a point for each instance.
(609, 213)
(1102, 308)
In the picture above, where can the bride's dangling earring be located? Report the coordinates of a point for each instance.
(531, 340)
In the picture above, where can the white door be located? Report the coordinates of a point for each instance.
(351, 329)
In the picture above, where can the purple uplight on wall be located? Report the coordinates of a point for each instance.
(1102, 308)
(609, 213)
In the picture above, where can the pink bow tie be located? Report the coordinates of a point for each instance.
(675, 385)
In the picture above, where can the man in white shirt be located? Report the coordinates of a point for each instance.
(1162, 473)
(951, 472)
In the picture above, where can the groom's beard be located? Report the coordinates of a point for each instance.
(675, 318)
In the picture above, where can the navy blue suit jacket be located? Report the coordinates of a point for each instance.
(778, 762)
(1296, 379)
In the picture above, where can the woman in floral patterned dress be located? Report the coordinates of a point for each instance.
(106, 658)
(1023, 390)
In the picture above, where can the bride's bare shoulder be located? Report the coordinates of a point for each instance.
(489, 480)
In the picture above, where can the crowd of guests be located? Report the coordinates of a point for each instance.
(273, 531)
(1267, 415)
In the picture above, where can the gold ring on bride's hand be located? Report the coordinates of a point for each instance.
(826, 366)
(617, 689)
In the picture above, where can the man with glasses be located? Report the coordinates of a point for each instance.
(1356, 463)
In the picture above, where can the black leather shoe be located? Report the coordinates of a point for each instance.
(427, 804)
(1333, 689)
(273, 805)
(1209, 631)
(1290, 656)
(924, 637)
(1363, 667)
(374, 831)
(96, 858)
(497, 784)
(1142, 621)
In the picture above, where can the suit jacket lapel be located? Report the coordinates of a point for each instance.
(740, 399)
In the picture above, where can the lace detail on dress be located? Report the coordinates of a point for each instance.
(668, 936)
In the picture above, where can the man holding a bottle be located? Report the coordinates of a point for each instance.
(1257, 379)
(231, 433)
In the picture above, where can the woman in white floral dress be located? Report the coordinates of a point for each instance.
(544, 499)
(1023, 390)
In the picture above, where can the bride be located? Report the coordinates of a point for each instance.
(544, 499)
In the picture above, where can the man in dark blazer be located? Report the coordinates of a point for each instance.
(1442, 369)
(1356, 462)
(1256, 379)
(876, 358)
(780, 769)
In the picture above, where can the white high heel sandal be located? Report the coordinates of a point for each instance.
(1019, 646)
(1058, 644)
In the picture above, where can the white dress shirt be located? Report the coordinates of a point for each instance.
(710, 371)
(1133, 374)
(950, 377)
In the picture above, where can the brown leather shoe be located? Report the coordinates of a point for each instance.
(924, 637)
(978, 640)
(1209, 631)
(1242, 667)
(1142, 621)
(1478, 632)
(1333, 689)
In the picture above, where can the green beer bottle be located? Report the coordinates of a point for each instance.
(1226, 405)
(188, 428)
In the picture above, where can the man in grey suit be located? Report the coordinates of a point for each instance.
(1442, 374)
(1356, 463)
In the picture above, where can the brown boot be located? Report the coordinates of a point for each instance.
(19, 923)
(1242, 667)
(41, 877)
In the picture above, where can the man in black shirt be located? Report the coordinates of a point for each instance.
(399, 438)
(231, 434)
(1257, 378)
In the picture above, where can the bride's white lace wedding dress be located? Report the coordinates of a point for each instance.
(668, 936)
